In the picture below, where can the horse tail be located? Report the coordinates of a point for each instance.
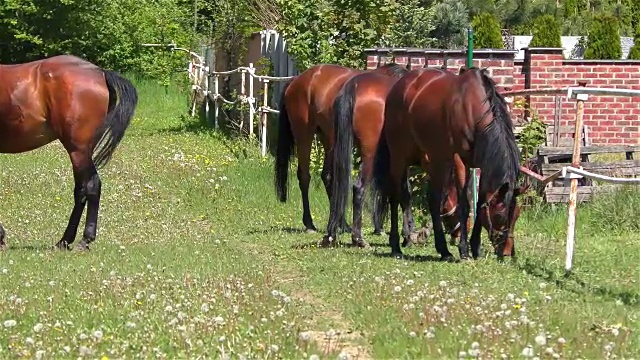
(284, 149)
(123, 99)
(381, 172)
(342, 152)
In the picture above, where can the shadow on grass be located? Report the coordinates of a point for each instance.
(32, 248)
(415, 258)
(573, 283)
(340, 245)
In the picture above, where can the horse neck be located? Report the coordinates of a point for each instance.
(494, 140)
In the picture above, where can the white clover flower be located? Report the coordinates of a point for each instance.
(413, 334)
(38, 327)
(561, 341)
(528, 351)
(541, 340)
(443, 283)
(304, 336)
(397, 289)
(409, 282)
(314, 357)
(10, 323)
(97, 334)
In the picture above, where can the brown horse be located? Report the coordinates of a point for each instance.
(359, 114)
(442, 120)
(452, 224)
(306, 106)
(68, 99)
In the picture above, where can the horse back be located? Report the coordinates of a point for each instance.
(309, 97)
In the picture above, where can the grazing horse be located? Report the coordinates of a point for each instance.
(445, 120)
(359, 113)
(450, 205)
(72, 100)
(306, 106)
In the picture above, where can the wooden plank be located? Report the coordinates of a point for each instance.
(587, 150)
(585, 193)
(617, 168)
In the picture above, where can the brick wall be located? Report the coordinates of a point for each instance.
(610, 120)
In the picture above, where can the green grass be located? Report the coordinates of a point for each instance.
(196, 258)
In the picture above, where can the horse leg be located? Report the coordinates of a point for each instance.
(476, 232)
(358, 198)
(87, 189)
(3, 234)
(327, 174)
(408, 224)
(435, 204)
(304, 178)
(463, 205)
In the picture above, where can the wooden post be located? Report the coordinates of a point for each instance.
(573, 194)
(216, 81)
(243, 93)
(557, 115)
(265, 115)
(206, 94)
(251, 99)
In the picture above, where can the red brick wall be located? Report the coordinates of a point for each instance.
(610, 120)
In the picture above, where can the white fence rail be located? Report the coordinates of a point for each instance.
(575, 172)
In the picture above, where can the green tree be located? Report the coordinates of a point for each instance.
(546, 32)
(412, 26)
(451, 19)
(634, 53)
(604, 39)
(487, 34)
(333, 31)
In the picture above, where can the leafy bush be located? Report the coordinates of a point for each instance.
(604, 39)
(546, 32)
(450, 21)
(412, 26)
(487, 34)
(634, 53)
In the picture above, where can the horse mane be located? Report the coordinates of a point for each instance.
(393, 69)
(496, 150)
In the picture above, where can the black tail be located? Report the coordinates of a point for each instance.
(123, 99)
(284, 149)
(381, 172)
(342, 153)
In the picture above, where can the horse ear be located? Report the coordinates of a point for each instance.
(463, 69)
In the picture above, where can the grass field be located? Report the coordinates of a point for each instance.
(195, 258)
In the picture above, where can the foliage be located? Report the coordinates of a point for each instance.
(634, 53)
(487, 34)
(450, 22)
(546, 32)
(533, 135)
(578, 50)
(604, 39)
(413, 25)
(333, 31)
(107, 32)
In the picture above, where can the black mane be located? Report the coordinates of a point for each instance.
(394, 69)
(496, 150)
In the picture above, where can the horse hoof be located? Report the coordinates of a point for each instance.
(62, 245)
(311, 230)
(378, 233)
(447, 258)
(407, 243)
(82, 247)
(327, 241)
(360, 243)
